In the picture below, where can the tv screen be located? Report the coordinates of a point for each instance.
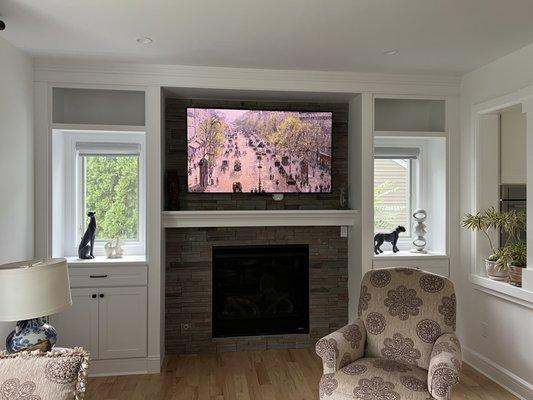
(257, 151)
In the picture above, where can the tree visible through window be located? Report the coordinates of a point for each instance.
(111, 189)
(392, 194)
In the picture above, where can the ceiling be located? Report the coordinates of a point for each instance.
(432, 36)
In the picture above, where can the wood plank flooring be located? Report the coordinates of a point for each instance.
(254, 375)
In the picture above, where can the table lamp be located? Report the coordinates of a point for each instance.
(29, 292)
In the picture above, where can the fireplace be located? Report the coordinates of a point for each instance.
(260, 290)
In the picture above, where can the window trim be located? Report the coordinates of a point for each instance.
(74, 198)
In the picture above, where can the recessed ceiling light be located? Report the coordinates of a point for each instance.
(391, 52)
(144, 40)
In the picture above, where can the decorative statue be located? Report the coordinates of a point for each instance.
(343, 198)
(392, 237)
(419, 242)
(86, 247)
(114, 250)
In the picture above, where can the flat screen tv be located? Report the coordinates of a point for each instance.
(258, 151)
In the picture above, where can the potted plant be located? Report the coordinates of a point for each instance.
(484, 221)
(511, 222)
(515, 256)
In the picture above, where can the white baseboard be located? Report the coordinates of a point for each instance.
(505, 378)
(125, 366)
(153, 364)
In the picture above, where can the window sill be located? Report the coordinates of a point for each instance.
(406, 254)
(101, 261)
(503, 290)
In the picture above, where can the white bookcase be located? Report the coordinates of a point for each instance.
(419, 122)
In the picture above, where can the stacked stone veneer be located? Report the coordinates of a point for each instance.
(189, 285)
(188, 251)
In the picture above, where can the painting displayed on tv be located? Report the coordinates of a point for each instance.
(255, 151)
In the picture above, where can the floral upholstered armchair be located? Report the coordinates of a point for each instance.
(402, 346)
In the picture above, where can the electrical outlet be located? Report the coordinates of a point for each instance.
(185, 327)
(484, 329)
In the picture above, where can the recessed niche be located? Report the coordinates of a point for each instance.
(410, 115)
(98, 107)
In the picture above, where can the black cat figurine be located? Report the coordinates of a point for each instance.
(86, 247)
(392, 237)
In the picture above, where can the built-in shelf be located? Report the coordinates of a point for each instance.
(102, 261)
(406, 254)
(409, 114)
(436, 263)
(416, 134)
(98, 127)
(198, 219)
(98, 106)
(503, 290)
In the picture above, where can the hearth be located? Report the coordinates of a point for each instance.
(260, 290)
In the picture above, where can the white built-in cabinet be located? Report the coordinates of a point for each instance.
(121, 322)
(77, 326)
(109, 314)
(418, 122)
(110, 322)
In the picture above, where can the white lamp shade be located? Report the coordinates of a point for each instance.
(33, 289)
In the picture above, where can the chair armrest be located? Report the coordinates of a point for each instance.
(444, 366)
(342, 347)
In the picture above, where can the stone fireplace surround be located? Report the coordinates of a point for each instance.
(188, 306)
(188, 327)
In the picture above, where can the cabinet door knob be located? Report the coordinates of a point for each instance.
(93, 296)
(101, 295)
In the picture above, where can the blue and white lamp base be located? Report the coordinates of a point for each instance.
(29, 334)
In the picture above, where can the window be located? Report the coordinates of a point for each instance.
(103, 172)
(395, 181)
(392, 194)
(410, 172)
(109, 184)
(110, 188)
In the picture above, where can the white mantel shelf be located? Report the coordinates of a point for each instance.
(203, 219)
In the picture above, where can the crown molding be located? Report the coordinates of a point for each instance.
(68, 71)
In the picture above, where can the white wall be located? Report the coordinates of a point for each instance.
(513, 148)
(506, 352)
(16, 158)
(355, 260)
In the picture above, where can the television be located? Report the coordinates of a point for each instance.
(258, 151)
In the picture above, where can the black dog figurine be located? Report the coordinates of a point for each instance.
(86, 247)
(392, 237)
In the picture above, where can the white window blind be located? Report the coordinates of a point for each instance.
(393, 187)
(405, 153)
(108, 149)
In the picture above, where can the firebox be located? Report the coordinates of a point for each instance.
(260, 290)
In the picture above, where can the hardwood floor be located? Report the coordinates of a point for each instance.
(255, 375)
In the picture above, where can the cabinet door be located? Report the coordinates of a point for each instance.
(122, 322)
(78, 325)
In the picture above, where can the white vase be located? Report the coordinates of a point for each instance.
(419, 228)
(495, 273)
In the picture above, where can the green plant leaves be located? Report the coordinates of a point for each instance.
(512, 223)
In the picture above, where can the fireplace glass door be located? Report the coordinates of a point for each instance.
(260, 290)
